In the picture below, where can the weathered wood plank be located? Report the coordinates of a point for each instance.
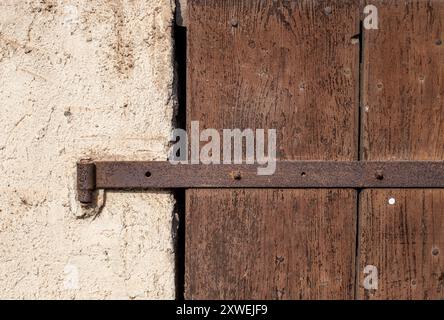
(270, 244)
(286, 65)
(288, 174)
(403, 119)
(403, 90)
(289, 65)
(405, 241)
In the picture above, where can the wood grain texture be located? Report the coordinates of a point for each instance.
(403, 119)
(405, 241)
(285, 65)
(403, 90)
(292, 66)
(270, 244)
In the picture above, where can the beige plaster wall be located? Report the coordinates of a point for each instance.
(83, 78)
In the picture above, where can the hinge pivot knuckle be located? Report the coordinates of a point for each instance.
(86, 181)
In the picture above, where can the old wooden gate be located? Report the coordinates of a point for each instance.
(335, 89)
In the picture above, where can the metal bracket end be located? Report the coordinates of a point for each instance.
(86, 181)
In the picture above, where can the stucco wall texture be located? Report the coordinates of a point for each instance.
(84, 79)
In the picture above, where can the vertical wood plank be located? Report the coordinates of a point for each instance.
(403, 74)
(292, 66)
(270, 244)
(404, 241)
(403, 119)
(288, 65)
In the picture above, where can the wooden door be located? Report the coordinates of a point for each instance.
(402, 231)
(300, 67)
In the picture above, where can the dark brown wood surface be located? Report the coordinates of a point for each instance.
(404, 241)
(270, 244)
(403, 89)
(403, 119)
(292, 66)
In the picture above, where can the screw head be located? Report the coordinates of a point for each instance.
(234, 23)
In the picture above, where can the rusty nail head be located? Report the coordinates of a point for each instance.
(379, 175)
(237, 175)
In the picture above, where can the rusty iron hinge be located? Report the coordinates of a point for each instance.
(289, 174)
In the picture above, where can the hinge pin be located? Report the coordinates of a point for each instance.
(86, 180)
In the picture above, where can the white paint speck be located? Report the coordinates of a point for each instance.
(392, 201)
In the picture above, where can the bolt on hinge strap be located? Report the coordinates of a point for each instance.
(288, 174)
